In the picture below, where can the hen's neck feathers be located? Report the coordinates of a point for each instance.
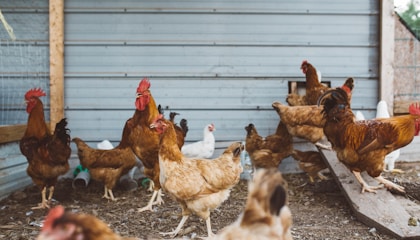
(168, 146)
(208, 136)
(311, 77)
(36, 126)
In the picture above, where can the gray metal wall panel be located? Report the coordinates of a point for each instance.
(212, 61)
(24, 64)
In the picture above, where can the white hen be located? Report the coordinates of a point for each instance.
(382, 112)
(203, 148)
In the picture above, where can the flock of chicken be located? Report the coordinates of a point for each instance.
(200, 185)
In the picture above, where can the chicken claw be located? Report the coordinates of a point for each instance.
(365, 186)
(390, 185)
(44, 203)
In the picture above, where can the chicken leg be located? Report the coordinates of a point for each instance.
(156, 195)
(178, 228)
(390, 185)
(365, 186)
(44, 201)
(109, 194)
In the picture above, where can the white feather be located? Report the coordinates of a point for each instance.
(203, 148)
(105, 145)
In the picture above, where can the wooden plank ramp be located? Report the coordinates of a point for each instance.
(384, 211)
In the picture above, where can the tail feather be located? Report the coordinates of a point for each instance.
(62, 132)
(184, 127)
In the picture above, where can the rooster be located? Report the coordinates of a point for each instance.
(62, 225)
(363, 145)
(144, 142)
(268, 152)
(314, 87)
(266, 214)
(108, 165)
(203, 148)
(47, 153)
(198, 185)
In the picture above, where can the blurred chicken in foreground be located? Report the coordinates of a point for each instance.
(266, 215)
(363, 145)
(61, 225)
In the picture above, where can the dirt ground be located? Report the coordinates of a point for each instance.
(320, 211)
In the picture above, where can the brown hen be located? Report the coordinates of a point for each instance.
(268, 152)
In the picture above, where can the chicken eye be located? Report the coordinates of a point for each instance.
(341, 106)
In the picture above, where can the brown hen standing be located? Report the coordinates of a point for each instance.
(107, 166)
(198, 185)
(268, 152)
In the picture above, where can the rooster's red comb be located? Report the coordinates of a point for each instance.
(414, 109)
(143, 85)
(52, 216)
(34, 92)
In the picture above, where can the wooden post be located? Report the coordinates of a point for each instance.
(386, 55)
(56, 12)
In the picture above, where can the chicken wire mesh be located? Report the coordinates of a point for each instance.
(22, 66)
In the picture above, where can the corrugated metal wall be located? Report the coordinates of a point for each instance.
(212, 61)
(24, 64)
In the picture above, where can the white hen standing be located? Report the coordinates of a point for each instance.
(203, 148)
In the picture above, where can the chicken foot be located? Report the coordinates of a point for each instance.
(390, 185)
(44, 201)
(109, 194)
(178, 228)
(395, 170)
(365, 186)
(156, 195)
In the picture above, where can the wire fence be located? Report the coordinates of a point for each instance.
(22, 66)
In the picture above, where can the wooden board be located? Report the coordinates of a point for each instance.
(382, 210)
(11, 133)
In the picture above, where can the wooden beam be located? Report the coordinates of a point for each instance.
(382, 210)
(386, 54)
(56, 12)
(11, 133)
